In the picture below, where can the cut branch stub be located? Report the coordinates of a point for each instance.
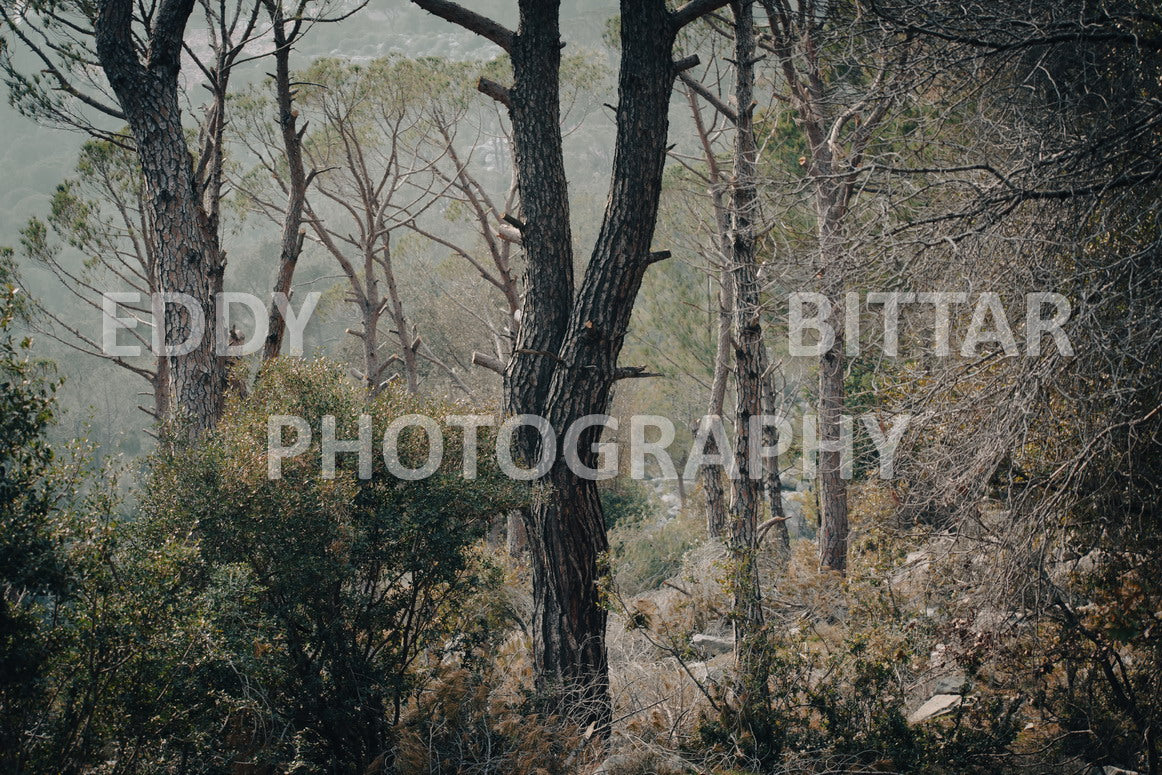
(488, 362)
(494, 90)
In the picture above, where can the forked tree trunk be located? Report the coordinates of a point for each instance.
(565, 361)
(568, 531)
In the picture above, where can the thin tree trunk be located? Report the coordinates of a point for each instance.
(832, 485)
(710, 477)
(772, 480)
(408, 339)
(749, 353)
(291, 243)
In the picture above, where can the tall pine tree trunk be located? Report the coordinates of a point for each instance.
(832, 484)
(188, 255)
(564, 364)
(750, 362)
(568, 529)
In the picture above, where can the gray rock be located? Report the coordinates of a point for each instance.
(712, 645)
(936, 706)
(952, 683)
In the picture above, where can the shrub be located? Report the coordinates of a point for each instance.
(328, 591)
(31, 567)
(466, 723)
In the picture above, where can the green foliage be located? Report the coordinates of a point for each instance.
(236, 619)
(31, 565)
(331, 591)
(626, 502)
(101, 213)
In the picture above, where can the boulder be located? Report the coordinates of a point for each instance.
(712, 645)
(937, 705)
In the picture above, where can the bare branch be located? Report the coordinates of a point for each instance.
(488, 362)
(693, 11)
(495, 91)
(710, 97)
(469, 20)
(634, 372)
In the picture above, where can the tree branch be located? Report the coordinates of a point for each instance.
(633, 372)
(693, 11)
(469, 20)
(51, 69)
(165, 43)
(488, 362)
(495, 91)
(710, 97)
(115, 47)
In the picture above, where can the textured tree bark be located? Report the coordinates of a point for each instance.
(547, 236)
(567, 530)
(189, 258)
(566, 354)
(832, 485)
(567, 534)
(772, 480)
(162, 400)
(749, 364)
(547, 240)
(710, 478)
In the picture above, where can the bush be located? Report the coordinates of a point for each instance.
(327, 592)
(31, 566)
(467, 723)
(838, 664)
